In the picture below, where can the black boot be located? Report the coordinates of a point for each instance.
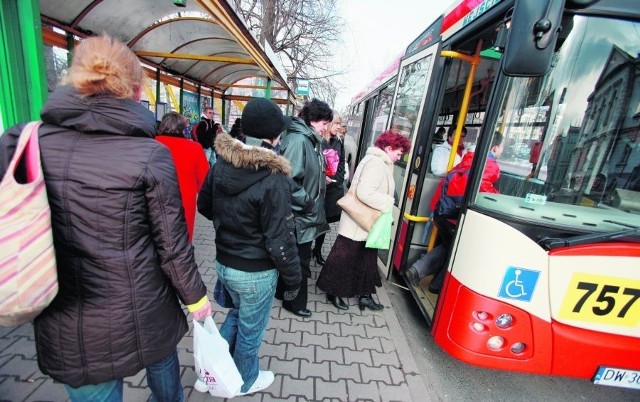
(318, 256)
(337, 302)
(367, 301)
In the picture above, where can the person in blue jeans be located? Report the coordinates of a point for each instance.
(247, 195)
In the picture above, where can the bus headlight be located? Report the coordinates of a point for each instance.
(504, 321)
(496, 342)
(518, 347)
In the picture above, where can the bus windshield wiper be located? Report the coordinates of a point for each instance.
(554, 242)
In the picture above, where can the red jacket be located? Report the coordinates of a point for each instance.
(192, 168)
(458, 184)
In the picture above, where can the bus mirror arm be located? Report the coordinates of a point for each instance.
(551, 243)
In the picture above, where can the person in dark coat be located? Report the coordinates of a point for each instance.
(335, 181)
(122, 248)
(301, 144)
(247, 195)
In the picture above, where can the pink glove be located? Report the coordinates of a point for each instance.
(203, 312)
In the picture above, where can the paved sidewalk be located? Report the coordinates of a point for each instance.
(333, 355)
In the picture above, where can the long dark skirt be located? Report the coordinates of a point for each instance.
(351, 269)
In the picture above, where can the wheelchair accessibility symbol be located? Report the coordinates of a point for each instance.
(519, 284)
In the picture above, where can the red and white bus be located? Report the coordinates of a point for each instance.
(543, 277)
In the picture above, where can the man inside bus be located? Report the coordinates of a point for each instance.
(445, 205)
(440, 156)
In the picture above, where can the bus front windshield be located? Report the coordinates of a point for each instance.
(571, 149)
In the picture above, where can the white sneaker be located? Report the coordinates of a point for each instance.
(200, 386)
(265, 378)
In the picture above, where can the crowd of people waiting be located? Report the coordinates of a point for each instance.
(123, 192)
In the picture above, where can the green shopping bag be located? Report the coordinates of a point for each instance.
(380, 233)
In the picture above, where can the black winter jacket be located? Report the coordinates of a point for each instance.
(123, 253)
(247, 195)
(302, 146)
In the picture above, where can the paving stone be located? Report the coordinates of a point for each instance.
(358, 356)
(302, 325)
(21, 368)
(49, 392)
(397, 375)
(341, 341)
(288, 337)
(358, 391)
(375, 374)
(300, 352)
(367, 343)
(284, 367)
(321, 341)
(345, 371)
(363, 319)
(4, 359)
(280, 323)
(269, 398)
(334, 317)
(387, 345)
(382, 332)
(22, 346)
(270, 349)
(330, 389)
(19, 390)
(269, 335)
(346, 330)
(320, 370)
(398, 393)
(331, 355)
(299, 388)
(331, 329)
(385, 359)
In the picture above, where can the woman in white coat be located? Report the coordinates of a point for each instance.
(351, 269)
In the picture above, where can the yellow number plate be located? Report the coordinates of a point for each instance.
(602, 299)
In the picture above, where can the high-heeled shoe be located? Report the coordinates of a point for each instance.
(367, 301)
(318, 256)
(337, 302)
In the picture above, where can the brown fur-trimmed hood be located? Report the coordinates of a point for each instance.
(245, 156)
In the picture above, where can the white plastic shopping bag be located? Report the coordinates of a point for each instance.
(214, 364)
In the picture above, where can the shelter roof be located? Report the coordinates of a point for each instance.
(205, 41)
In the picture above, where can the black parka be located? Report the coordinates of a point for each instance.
(247, 195)
(122, 249)
(302, 146)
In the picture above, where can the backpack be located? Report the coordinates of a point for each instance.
(28, 280)
(452, 193)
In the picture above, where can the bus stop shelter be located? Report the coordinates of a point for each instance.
(198, 46)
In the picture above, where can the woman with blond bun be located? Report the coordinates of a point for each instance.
(124, 259)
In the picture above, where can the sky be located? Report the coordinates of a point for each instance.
(376, 32)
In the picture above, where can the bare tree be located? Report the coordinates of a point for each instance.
(304, 34)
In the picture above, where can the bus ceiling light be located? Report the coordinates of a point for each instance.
(496, 342)
(504, 321)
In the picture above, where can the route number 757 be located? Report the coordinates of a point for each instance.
(606, 301)
(601, 299)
